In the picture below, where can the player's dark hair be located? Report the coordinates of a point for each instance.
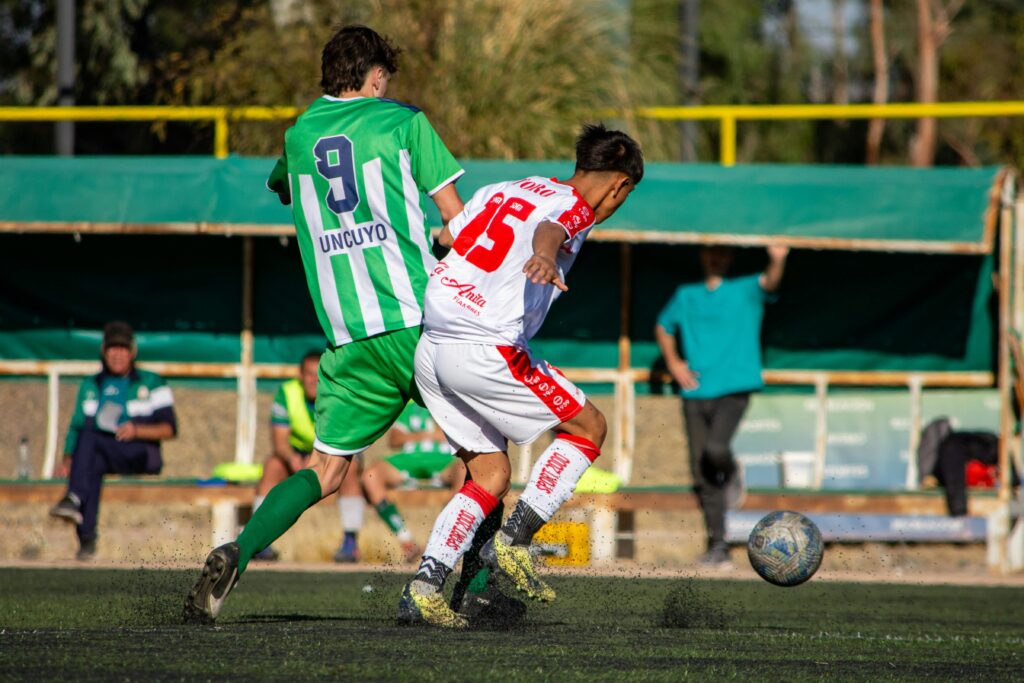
(600, 149)
(312, 354)
(350, 54)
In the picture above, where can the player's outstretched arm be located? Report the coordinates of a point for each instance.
(278, 181)
(542, 268)
(772, 276)
(450, 205)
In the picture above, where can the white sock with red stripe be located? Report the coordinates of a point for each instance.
(554, 478)
(453, 532)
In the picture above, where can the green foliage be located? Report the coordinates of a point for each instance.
(981, 61)
(499, 79)
(514, 78)
(109, 70)
(740, 64)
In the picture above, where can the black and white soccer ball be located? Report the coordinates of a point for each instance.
(785, 548)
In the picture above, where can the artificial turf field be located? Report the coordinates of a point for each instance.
(125, 625)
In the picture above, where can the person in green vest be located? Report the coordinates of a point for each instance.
(423, 456)
(292, 435)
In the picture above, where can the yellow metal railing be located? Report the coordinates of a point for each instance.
(727, 116)
(221, 117)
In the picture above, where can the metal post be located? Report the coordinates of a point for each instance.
(820, 428)
(916, 385)
(1018, 265)
(245, 435)
(52, 415)
(625, 394)
(64, 132)
(1002, 522)
(1003, 376)
(1017, 452)
(727, 145)
(689, 48)
(220, 135)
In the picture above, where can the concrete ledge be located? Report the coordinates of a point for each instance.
(152, 490)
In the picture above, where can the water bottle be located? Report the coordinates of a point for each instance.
(24, 470)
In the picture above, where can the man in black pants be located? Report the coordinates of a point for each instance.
(121, 416)
(718, 321)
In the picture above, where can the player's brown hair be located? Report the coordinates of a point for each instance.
(600, 149)
(350, 54)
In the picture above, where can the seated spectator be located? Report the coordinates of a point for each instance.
(424, 456)
(956, 460)
(291, 437)
(121, 416)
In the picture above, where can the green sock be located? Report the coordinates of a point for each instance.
(391, 516)
(280, 510)
(479, 583)
(474, 572)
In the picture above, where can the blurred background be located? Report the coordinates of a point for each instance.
(561, 61)
(506, 84)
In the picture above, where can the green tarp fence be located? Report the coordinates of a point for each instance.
(837, 310)
(931, 205)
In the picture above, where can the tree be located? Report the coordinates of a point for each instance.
(980, 61)
(880, 92)
(498, 78)
(934, 24)
(120, 48)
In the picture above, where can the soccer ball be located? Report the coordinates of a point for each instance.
(785, 548)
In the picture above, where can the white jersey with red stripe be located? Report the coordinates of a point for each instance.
(479, 293)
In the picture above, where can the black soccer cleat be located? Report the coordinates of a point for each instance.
(86, 550)
(492, 608)
(67, 509)
(219, 577)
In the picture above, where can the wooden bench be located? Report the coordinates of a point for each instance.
(612, 515)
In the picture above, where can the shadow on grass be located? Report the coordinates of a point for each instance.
(688, 605)
(284, 618)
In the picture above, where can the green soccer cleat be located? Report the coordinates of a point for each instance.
(219, 577)
(515, 564)
(427, 608)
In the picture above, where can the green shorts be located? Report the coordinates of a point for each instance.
(363, 387)
(421, 465)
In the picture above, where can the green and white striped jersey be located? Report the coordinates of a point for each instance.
(353, 170)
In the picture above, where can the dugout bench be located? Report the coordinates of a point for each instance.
(845, 516)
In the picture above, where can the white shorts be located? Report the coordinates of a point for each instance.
(483, 395)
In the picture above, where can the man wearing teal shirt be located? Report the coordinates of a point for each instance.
(716, 359)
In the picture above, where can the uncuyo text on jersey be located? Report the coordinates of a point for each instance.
(364, 234)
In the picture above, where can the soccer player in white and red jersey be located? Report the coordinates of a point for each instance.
(511, 249)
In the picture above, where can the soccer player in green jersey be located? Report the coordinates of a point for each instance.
(353, 169)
